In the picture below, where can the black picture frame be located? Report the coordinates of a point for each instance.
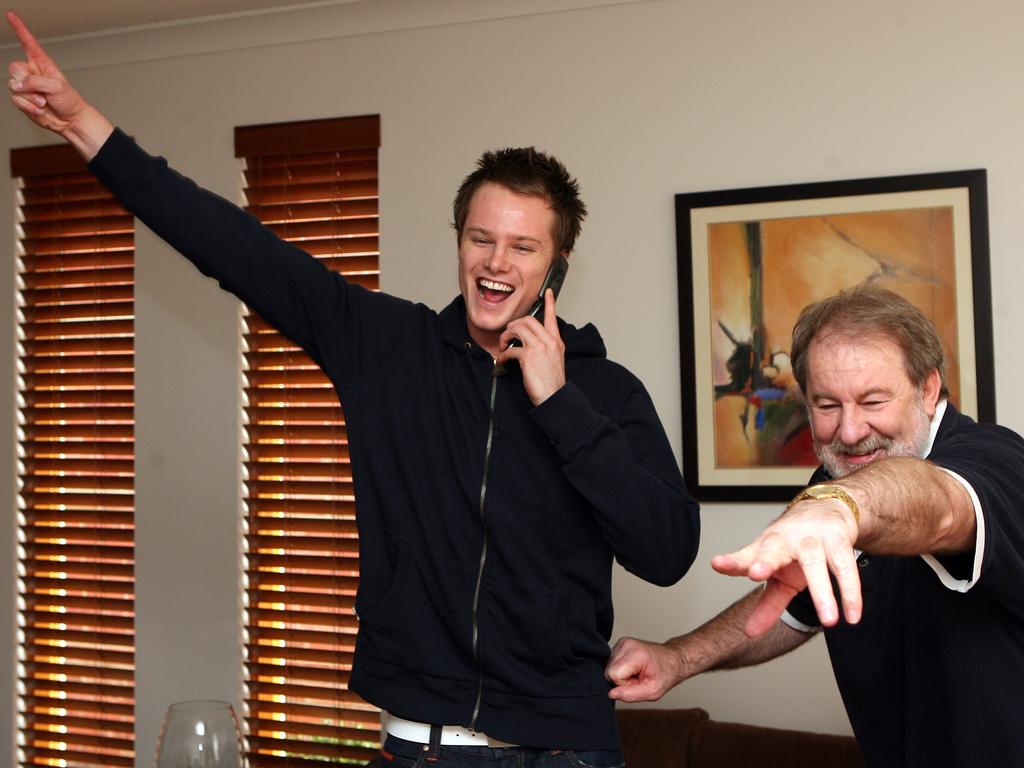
(882, 204)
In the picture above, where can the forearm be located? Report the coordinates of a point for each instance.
(286, 286)
(722, 643)
(89, 132)
(910, 507)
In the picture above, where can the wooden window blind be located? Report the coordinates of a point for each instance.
(76, 603)
(313, 183)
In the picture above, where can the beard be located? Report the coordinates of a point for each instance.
(831, 455)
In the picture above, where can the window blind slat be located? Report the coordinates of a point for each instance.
(315, 414)
(81, 244)
(301, 232)
(74, 467)
(77, 404)
(365, 157)
(90, 278)
(269, 369)
(89, 208)
(320, 507)
(100, 364)
(68, 226)
(79, 587)
(82, 188)
(337, 602)
(64, 313)
(78, 725)
(272, 394)
(324, 170)
(88, 328)
(47, 754)
(89, 570)
(284, 637)
(77, 295)
(311, 191)
(76, 487)
(282, 469)
(300, 488)
(331, 699)
(316, 211)
(44, 382)
(81, 449)
(268, 455)
(75, 261)
(85, 623)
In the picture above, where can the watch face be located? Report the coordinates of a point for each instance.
(822, 492)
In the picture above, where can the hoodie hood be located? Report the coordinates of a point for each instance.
(579, 342)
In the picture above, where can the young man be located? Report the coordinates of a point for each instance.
(490, 507)
(916, 514)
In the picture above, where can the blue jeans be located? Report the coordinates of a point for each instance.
(399, 753)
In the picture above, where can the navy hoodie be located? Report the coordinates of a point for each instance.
(487, 526)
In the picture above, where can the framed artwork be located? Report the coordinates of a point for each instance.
(750, 259)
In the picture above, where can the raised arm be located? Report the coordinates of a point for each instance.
(643, 671)
(340, 325)
(899, 506)
(40, 90)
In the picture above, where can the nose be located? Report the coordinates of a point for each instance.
(497, 258)
(853, 427)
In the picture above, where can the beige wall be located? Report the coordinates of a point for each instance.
(642, 100)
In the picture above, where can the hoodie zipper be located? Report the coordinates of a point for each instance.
(483, 556)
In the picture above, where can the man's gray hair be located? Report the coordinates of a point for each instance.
(869, 310)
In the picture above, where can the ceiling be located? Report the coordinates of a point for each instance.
(58, 18)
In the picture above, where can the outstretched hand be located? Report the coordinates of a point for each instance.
(803, 548)
(40, 90)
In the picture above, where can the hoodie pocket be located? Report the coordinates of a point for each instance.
(524, 634)
(420, 622)
(400, 552)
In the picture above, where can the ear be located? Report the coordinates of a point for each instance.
(930, 391)
(565, 255)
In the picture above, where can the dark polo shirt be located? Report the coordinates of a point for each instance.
(933, 674)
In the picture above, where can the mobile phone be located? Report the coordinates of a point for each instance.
(553, 280)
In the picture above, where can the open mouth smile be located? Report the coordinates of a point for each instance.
(493, 291)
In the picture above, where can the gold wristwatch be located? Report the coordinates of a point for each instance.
(828, 491)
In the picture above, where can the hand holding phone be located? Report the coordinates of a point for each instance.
(543, 362)
(553, 280)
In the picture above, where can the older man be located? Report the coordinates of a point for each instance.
(916, 515)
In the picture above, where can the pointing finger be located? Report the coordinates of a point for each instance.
(33, 49)
(844, 565)
(814, 563)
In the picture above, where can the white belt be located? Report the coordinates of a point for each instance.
(451, 735)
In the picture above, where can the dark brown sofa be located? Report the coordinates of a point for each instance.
(689, 738)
